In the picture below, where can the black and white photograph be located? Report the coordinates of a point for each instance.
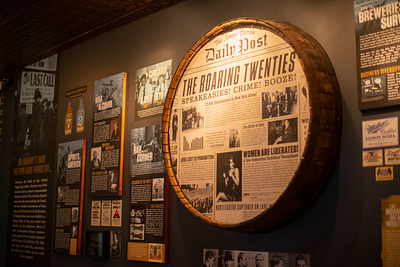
(60, 193)
(34, 125)
(282, 131)
(96, 158)
(279, 103)
(146, 145)
(192, 118)
(300, 260)
(225, 258)
(229, 184)
(200, 196)
(174, 125)
(62, 164)
(138, 214)
(158, 189)
(115, 244)
(108, 93)
(278, 259)
(152, 83)
(113, 180)
(74, 214)
(210, 258)
(115, 130)
(234, 138)
(74, 231)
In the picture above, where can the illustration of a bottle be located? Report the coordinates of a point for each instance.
(68, 120)
(80, 117)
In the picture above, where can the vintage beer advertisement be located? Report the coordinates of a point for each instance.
(380, 133)
(378, 52)
(392, 156)
(107, 148)
(372, 158)
(239, 123)
(70, 189)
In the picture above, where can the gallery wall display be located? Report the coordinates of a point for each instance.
(30, 209)
(390, 230)
(148, 222)
(378, 53)
(107, 148)
(70, 191)
(251, 124)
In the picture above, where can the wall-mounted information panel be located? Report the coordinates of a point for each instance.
(251, 124)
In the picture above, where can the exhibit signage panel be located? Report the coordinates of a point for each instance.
(148, 224)
(238, 118)
(70, 191)
(108, 136)
(378, 52)
(30, 211)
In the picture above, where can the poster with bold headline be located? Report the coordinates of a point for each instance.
(377, 26)
(152, 84)
(70, 191)
(240, 114)
(107, 150)
(30, 211)
(148, 226)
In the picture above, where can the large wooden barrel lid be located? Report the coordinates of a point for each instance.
(251, 124)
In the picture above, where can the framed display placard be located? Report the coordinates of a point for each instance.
(70, 190)
(107, 151)
(378, 69)
(251, 124)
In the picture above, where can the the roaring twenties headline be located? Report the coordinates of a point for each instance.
(265, 71)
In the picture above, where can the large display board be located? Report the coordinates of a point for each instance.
(70, 188)
(251, 124)
(148, 225)
(107, 149)
(377, 38)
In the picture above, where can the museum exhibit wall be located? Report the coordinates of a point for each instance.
(342, 227)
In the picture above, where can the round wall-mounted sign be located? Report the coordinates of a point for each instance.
(251, 124)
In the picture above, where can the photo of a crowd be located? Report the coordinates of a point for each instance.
(34, 126)
(279, 103)
(200, 197)
(192, 118)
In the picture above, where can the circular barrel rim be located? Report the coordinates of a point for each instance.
(322, 145)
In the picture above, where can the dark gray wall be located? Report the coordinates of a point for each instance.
(341, 228)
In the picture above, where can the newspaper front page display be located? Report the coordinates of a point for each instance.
(149, 197)
(378, 52)
(239, 123)
(70, 181)
(108, 136)
(152, 85)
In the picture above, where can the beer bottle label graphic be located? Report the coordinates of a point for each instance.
(80, 117)
(68, 120)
